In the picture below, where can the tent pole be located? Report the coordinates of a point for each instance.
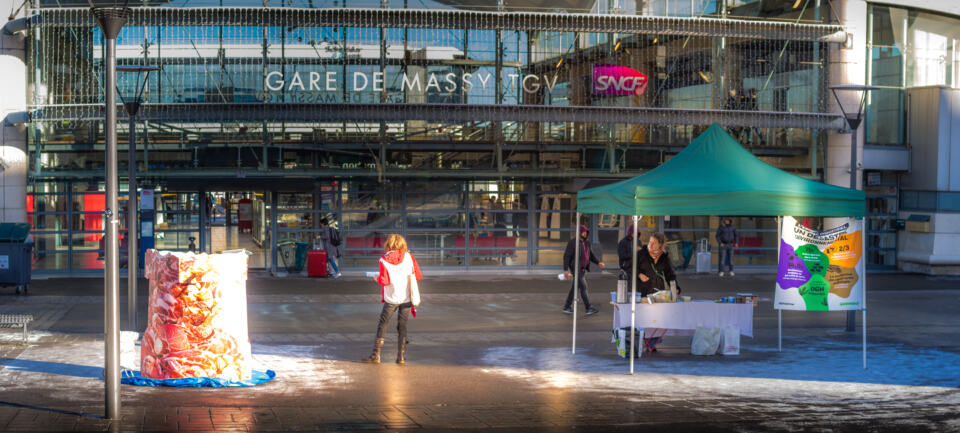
(633, 298)
(864, 324)
(779, 311)
(779, 330)
(863, 295)
(576, 277)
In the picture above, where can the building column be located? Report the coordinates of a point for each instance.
(847, 66)
(13, 138)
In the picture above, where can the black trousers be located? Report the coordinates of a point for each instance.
(402, 317)
(583, 292)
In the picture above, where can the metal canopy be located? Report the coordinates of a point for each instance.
(455, 19)
(307, 112)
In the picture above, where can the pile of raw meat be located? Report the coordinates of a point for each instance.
(197, 316)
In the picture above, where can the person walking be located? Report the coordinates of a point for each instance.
(330, 238)
(519, 219)
(728, 239)
(586, 257)
(399, 291)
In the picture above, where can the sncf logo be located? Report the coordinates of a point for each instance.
(618, 80)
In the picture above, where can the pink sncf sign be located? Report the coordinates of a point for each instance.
(618, 80)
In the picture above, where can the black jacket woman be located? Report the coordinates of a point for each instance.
(654, 269)
(654, 272)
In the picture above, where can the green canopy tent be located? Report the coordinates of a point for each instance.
(715, 175)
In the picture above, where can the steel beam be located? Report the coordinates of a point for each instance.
(456, 19)
(353, 112)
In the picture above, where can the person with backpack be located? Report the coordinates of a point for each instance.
(331, 244)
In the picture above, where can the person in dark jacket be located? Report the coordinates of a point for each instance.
(654, 269)
(655, 272)
(625, 254)
(728, 239)
(750, 103)
(734, 102)
(586, 256)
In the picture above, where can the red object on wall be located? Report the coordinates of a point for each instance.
(317, 263)
(30, 209)
(93, 222)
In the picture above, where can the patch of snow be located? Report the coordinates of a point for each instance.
(822, 369)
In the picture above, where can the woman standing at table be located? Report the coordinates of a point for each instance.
(654, 273)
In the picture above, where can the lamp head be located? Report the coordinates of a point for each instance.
(853, 117)
(111, 15)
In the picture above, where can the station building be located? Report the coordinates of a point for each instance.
(469, 126)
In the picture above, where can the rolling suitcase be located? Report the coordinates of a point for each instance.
(317, 263)
(703, 257)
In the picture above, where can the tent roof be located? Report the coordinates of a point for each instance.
(715, 175)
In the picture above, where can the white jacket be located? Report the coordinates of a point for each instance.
(395, 278)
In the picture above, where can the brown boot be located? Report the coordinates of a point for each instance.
(374, 357)
(401, 351)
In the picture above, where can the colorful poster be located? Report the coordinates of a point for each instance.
(820, 270)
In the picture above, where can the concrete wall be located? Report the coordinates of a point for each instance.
(934, 133)
(936, 252)
(13, 139)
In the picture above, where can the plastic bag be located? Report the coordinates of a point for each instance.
(730, 340)
(623, 342)
(705, 341)
(661, 296)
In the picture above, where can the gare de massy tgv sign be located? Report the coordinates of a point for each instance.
(607, 80)
(415, 82)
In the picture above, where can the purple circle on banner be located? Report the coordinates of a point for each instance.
(792, 271)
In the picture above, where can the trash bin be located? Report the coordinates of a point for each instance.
(673, 249)
(301, 255)
(287, 250)
(15, 256)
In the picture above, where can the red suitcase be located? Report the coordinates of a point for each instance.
(317, 263)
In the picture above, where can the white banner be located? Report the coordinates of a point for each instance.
(820, 270)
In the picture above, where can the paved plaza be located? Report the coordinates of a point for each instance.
(491, 352)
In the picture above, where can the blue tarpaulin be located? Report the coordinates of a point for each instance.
(258, 377)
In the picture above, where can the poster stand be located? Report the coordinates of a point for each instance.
(863, 301)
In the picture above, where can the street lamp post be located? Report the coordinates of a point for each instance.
(133, 254)
(111, 18)
(853, 119)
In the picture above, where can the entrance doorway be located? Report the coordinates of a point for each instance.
(238, 220)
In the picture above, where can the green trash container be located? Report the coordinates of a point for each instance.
(301, 256)
(15, 256)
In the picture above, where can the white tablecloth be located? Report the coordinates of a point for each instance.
(682, 318)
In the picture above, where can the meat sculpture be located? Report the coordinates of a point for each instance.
(197, 316)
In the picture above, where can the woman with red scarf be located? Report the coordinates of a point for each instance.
(399, 273)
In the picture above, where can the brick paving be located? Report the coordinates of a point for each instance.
(482, 360)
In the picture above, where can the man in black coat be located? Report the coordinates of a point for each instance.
(728, 239)
(569, 263)
(625, 253)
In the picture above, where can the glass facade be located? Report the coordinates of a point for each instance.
(906, 48)
(493, 190)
